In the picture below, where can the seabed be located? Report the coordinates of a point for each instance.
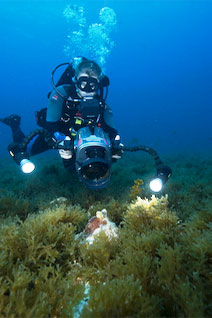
(158, 265)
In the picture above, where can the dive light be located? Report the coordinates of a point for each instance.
(27, 166)
(24, 163)
(162, 176)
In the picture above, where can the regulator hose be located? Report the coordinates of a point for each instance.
(53, 83)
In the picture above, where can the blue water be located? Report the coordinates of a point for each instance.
(160, 68)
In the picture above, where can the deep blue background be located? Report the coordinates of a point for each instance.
(160, 68)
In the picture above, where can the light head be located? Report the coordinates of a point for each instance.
(27, 166)
(162, 176)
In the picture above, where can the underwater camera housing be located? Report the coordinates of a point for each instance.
(93, 157)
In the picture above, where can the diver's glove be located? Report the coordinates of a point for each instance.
(64, 152)
(117, 146)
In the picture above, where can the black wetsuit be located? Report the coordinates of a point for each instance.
(58, 116)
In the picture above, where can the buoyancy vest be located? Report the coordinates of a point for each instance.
(75, 114)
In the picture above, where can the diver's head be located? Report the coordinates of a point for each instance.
(87, 78)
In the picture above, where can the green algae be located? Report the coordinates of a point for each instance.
(158, 266)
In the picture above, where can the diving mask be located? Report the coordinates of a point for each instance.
(87, 84)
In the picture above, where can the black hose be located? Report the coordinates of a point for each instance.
(53, 83)
(49, 138)
(34, 133)
(149, 150)
(54, 145)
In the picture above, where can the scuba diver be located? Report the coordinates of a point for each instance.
(76, 103)
(79, 124)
